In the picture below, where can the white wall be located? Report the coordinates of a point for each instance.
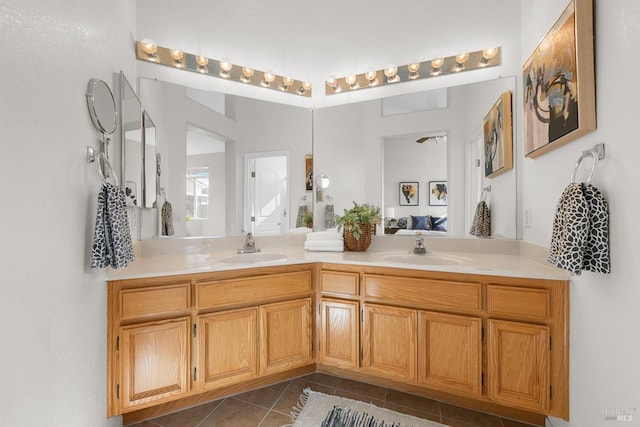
(406, 160)
(53, 320)
(605, 343)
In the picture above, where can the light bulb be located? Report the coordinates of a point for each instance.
(226, 65)
(332, 82)
(149, 47)
(247, 73)
(371, 77)
(176, 54)
(287, 80)
(487, 54)
(437, 62)
(490, 52)
(202, 60)
(413, 70)
(462, 58)
(390, 71)
(306, 85)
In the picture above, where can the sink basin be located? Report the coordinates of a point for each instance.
(423, 259)
(252, 258)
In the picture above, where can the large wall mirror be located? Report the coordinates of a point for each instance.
(206, 141)
(370, 148)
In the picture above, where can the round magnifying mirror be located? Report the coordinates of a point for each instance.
(102, 106)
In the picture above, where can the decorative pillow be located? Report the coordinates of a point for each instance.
(402, 222)
(421, 222)
(439, 223)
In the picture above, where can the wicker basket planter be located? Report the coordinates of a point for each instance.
(360, 245)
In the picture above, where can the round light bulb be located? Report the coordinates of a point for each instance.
(306, 85)
(288, 81)
(371, 75)
(437, 62)
(332, 82)
(176, 54)
(247, 71)
(269, 76)
(350, 79)
(462, 58)
(489, 53)
(226, 65)
(413, 68)
(391, 71)
(202, 60)
(148, 47)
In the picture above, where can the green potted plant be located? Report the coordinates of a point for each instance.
(358, 224)
(307, 219)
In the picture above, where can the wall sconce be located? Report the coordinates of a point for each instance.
(146, 50)
(490, 57)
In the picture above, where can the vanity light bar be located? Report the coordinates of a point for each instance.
(147, 51)
(485, 58)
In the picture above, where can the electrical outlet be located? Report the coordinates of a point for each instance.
(527, 218)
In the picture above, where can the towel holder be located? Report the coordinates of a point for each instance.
(597, 153)
(104, 167)
(484, 193)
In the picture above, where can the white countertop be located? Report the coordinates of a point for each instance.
(165, 257)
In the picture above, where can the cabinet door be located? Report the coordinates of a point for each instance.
(155, 363)
(390, 342)
(339, 338)
(228, 344)
(518, 365)
(449, 349)
(285, 335)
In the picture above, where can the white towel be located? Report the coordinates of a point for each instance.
(112, 244)
(331, 235)
(326, 246)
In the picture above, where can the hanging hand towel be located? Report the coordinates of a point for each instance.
(112, 244)
(167, 219)
(300, 222)
(596, 254)
(570, 230)
(481, 225)
(329, 217)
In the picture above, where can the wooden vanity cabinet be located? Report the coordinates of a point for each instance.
(177, 337)
(480, 341)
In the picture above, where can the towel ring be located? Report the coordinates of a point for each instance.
(105, 169)
(588, 153)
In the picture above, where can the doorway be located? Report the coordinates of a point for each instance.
(267, 193)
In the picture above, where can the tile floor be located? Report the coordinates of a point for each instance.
(271, 406)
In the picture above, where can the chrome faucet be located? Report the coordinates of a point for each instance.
(420, 249)
(249, 245)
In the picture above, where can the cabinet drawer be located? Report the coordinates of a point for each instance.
(507, 300)
(157, 300)
(252, 290)
(423, 292)
(337, 282)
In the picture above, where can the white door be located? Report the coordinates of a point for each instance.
(267, 201)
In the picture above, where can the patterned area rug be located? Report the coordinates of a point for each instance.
(318, 409)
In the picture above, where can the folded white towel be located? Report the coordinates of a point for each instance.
(328, 246)
(331, 235)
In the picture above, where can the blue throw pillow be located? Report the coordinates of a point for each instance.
(439, 223)
(421, 222)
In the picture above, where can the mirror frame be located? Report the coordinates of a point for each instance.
(98, 95)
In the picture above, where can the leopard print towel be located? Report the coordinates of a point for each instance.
(481, 225)
(112, 244)
(580, 236)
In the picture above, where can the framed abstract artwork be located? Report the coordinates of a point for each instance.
(408, 193)
(308, 172)
(559, 85)
(498, 138)
(438, 193)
